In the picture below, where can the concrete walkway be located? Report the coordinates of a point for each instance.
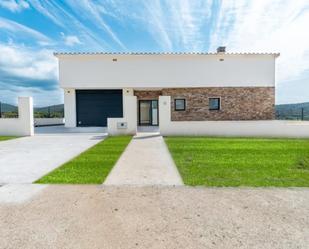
(146, 161)
(24, 160)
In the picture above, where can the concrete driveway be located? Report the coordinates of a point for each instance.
(26, 159)
(89, 216)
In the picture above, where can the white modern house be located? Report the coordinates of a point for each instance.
(183, 93)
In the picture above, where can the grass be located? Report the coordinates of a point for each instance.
(91, 166)
(3, 138)
(241, 161)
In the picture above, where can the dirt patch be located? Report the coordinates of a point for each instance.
(157, 217)
(303, 163)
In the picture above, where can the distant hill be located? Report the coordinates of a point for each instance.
(293, 111)
(12, 108)
(8, 108)
(285, 107)
(53, 111)
(54, 108)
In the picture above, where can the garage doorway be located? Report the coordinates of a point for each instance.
(93, 107)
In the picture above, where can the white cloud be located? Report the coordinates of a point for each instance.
(15, 28)
(67, 21)
(173, 24)
(276, 26)
(91, 10)
(28, 72)
(177, 25)
(14, 6)
(187, 24)
(157, 25)
(70, 40)
(47, 9)
(294, 91)
(19, 61)
(41, 97)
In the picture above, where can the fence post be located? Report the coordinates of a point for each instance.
(302, 113)
(0, 110)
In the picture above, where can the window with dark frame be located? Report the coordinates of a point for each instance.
(214, 104)
(180, 104)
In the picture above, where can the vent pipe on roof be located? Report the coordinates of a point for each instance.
(221, 50)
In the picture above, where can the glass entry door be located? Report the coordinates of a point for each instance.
(148, 112)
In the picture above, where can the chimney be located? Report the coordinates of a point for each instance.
(221, 50)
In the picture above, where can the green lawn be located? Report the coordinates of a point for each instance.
(92, 166)
(241, 161)
(3, 138)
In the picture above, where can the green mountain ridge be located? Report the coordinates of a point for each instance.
(8, 108)
(54, 108)
(293, 111)
(12, 108)
(296, 106)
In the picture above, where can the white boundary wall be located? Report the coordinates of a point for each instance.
(23, 125)
(267, 128)
(129, 116)
(48, 121)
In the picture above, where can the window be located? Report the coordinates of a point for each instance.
(214, 104)
(180, 104)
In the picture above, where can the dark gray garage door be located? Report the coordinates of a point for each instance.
(93, 107)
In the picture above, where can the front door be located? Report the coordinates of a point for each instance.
(148, 112)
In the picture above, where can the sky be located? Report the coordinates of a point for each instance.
(31, 30)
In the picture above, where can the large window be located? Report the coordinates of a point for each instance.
(180, 104)
(214, 104)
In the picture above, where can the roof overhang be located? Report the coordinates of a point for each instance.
(66, 54)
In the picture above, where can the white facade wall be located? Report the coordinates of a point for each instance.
(271, 128)
(129, 116)
(159, 71)
(99, 71)
(23, 125)
(70, 107)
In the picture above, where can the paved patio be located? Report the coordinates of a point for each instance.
(24, 160)
(146, 161)
(82, 216)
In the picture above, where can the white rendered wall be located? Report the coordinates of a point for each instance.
(271, 128)
(23, 125)
(70, 107)
(129, 116)
(48, 121)
(158, 71)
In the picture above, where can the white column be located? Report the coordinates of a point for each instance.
(164, 113)
(25, 114)
(70, 107)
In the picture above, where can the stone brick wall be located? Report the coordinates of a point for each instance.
(237, 103)
(147, 95)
